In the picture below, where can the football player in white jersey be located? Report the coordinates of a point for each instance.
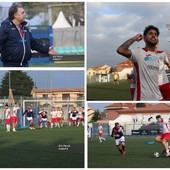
(59, 114)
(146, 64)
(14, 117)
(7, 117)
(100, 134)
(165, 135)
(53, 117)
(80, 116)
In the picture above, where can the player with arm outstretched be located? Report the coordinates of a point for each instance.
(165, 135)
(118, 134)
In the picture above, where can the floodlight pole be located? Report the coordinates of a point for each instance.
(50, 24)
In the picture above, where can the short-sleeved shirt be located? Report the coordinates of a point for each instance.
(53, 114)
(59, 113)
(118, 131)
(7, 115)
(146, 64)
(164, 126)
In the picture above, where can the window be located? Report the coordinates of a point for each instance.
(45, 95)
(65, 96)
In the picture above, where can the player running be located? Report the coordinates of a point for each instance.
(100, 135)
(118, 133)
(30, 116)
(165, 135)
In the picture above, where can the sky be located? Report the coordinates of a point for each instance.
(98, 106)
(112, 23)
(55, 78)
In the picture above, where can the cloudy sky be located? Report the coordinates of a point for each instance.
(112, 23)
(55, 78)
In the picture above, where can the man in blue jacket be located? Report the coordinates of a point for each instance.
(16, 41)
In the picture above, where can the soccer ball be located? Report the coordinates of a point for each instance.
(156, 154)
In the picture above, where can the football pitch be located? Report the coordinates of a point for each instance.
(109, 91)
(42, 148)
(138, 154)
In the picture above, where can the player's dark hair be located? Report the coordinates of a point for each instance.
(116, 123)
(13, 10)
(150, 27)
(158, 116)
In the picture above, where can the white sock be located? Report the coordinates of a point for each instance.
(51, 125)
(8, 127)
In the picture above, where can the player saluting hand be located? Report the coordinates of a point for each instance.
(118, 133)
(146, 64)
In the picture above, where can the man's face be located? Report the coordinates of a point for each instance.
(20, 15)
(117, 126)
(159, 119)
(151, 38)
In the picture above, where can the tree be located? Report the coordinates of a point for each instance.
(20, 83)
(96, 116)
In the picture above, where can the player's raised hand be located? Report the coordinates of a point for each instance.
(138, 37)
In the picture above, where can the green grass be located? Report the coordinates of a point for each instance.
(109, 91)
(70, 64)
(39, 148)
(139, 154)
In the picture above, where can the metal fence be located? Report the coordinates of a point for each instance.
(130, 129)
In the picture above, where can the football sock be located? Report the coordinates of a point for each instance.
(118, 147)
(123, 148)
(167, 151)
